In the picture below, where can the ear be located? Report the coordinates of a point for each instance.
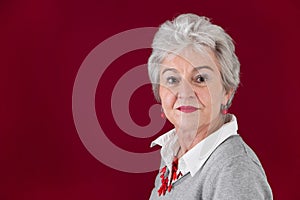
(227, 96)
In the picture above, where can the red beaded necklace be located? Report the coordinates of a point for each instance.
(166, 184)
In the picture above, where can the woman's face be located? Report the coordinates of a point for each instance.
(191, 90)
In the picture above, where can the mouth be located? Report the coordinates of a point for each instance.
(187, 109)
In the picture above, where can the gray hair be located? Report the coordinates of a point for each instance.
(198, 32)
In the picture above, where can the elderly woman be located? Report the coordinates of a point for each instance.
(195, 73)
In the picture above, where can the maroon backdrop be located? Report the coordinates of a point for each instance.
(43, 44)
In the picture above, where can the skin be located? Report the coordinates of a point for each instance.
(192, 79)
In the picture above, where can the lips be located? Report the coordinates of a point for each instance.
(187, 109)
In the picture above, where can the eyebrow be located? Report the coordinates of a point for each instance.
(169, 69)
(195, 69)
(203, 67)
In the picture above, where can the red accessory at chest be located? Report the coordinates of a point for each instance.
(166, 184)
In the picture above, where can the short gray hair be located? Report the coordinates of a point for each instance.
(198, 32)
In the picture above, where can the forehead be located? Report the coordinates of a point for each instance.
(189, 58)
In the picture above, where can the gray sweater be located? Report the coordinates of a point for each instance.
(232, 172)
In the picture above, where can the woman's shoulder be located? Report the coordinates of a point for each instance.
(234, 171)
(234, 152)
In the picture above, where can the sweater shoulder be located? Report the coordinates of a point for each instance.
(234, 151)
(234, 172)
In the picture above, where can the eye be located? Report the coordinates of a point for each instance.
(201, 79)
(172, 80)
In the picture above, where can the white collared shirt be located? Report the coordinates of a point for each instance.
(194, 159)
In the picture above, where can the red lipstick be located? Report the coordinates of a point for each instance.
(187, 109)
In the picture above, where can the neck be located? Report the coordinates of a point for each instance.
(188, 138)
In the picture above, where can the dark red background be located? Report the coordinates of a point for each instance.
(43, 44)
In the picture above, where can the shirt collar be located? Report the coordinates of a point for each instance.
(194, 159)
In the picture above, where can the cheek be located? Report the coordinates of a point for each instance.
(210, 97)
(167, 97)
(204, 96)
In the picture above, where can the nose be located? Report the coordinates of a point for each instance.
(185, 90)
